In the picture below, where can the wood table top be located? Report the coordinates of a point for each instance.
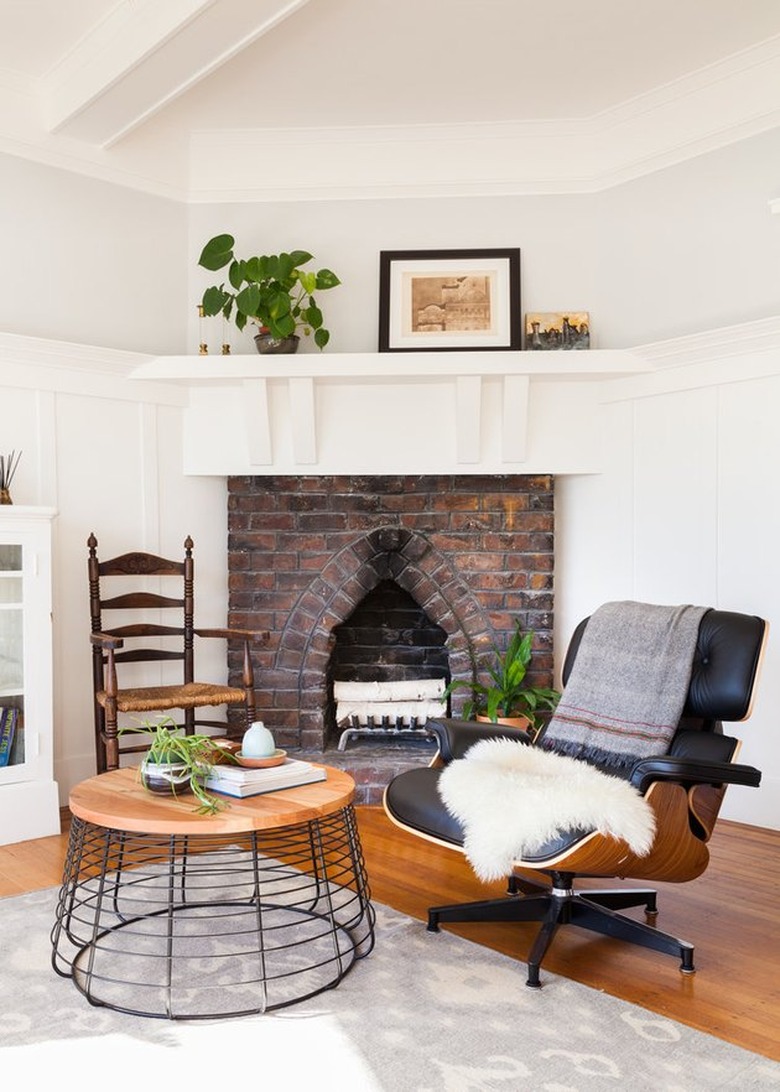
(118, 800)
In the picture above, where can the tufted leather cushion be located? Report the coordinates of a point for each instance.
(724, 667)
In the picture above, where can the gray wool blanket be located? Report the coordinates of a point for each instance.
(627, 688)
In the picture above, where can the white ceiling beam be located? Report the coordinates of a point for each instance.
(144, 55)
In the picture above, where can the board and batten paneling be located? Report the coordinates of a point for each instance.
(686, 510)
(107, 454)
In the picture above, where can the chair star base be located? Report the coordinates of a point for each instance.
(561, 905)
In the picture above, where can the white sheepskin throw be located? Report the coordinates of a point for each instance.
(511, 799)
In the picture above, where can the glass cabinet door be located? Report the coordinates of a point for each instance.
(11, 655)
(29, 795)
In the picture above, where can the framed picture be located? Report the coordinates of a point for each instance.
(449, 299)
(557, 330)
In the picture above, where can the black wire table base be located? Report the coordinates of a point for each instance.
(191, 927)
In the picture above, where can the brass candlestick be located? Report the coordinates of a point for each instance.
(202, 346)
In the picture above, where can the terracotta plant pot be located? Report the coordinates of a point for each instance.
(509, 722)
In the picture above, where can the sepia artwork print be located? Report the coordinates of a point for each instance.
(447, 303)
(449, 299)
(557, 330)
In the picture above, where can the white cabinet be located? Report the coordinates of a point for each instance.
(29, 798)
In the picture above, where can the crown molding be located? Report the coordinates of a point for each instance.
(743, 339)
(22, 136)
(51, 353)
(714, 358)
(76, 162)
(721, 104)
(709, 109)
(46, 364)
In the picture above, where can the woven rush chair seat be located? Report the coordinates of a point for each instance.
(147, 699)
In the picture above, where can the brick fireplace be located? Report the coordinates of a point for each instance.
(472, 553)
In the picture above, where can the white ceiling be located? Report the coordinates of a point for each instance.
(142, 91)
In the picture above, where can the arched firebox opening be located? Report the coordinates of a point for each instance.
(391, 641)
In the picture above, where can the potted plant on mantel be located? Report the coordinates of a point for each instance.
(507, 699)
(270, 290)
(177, 763)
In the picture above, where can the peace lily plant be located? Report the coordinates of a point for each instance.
(507, 695)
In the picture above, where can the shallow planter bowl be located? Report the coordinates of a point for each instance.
(170, 778)
(267, 344)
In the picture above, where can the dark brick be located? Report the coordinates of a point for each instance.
(474, 552)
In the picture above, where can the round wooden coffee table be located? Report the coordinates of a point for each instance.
(166, 913)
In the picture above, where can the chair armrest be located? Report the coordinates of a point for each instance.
(456, 736)
(249, 637)
(699, 772)
(255, 636)
(106, 640)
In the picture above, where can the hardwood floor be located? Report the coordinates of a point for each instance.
(730, 913)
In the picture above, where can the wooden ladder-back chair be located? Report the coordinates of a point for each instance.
(684, 786)
(174, 641)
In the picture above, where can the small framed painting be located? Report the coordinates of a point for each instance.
(557, 330)
(449, 299)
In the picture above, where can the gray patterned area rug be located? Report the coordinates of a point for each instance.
(421, 1013)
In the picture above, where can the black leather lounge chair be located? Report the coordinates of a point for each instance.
(685, 788)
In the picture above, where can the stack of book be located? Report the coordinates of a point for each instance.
(248, 781)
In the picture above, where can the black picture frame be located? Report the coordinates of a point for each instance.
(484, 298)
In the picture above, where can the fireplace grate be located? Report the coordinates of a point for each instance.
(400, 708)
(382, 726)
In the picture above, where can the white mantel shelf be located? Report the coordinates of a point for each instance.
(386, 413)
(211, 368)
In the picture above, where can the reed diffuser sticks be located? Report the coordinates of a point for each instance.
(8, 465)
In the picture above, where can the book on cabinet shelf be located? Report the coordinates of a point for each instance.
(246, 781)
(8, 719)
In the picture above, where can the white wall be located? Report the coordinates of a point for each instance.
(556, 237)
(691, 248)
(90, 262)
